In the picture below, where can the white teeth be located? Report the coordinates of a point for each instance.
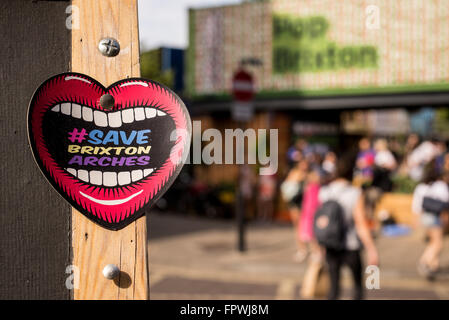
(100, 119)
(96, 177)
(139, 114)
(83, 175)
(103, 119)
(87, 114)
(76, 111)
(124, 178)
(150, 113)
(128, 116)
(115, 119)
(65, 108)
(110, 179)
(136, 175)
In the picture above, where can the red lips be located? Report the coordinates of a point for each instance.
(144, 110)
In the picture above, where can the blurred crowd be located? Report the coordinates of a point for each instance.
(323, 184)
(356, 180)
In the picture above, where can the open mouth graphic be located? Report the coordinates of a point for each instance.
(109, 164)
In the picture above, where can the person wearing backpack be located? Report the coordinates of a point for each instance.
(341, 227)
(431, 203)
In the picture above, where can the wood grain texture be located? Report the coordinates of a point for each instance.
(34, 219)
(93, 246)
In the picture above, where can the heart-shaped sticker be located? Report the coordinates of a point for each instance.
(112, 159)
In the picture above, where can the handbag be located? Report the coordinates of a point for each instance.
(434, 206)
(289, 189)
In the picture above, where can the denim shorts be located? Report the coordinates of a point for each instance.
(430, 220)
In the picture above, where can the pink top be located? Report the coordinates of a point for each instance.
(310, 204)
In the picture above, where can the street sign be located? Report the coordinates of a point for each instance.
(110, 152)
(242, 86)
(243, 91)
(242, 111)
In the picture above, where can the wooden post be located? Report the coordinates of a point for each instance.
(34, 219)
(93, 246)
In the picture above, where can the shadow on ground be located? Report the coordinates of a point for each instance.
(167, 224)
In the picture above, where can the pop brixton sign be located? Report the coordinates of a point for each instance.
(300, 45)
(110, 152)
(391, 45)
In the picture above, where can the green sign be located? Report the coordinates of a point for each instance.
(300, 45)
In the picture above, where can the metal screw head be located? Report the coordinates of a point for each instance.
(107, 101)
(109, 47)
(111, 271)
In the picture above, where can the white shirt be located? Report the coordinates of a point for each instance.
(438, 190)
(423, 154)
(328, 166)
(385, 158)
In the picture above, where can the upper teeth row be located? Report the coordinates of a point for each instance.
(110, 179)
(103, 119)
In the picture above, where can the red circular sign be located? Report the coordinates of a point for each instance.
(242, 86)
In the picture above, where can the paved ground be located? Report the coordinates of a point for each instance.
(192, 258)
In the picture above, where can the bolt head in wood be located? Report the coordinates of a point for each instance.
(111, 271)
(109, 47)
(107, 101)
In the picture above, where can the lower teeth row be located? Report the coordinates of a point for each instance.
(110, 179)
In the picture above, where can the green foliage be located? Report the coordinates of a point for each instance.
(441, 123)
(403, 184)
(150, 67)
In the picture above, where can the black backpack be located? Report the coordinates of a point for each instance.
(330, 226)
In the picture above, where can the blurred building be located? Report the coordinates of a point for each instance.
(165, 65)
(331, 70)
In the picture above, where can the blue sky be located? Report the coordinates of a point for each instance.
(165, 22)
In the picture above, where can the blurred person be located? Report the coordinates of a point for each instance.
(297, 151)
(321, 149)
(384, 158)
(315, 161)
(310, 204)
(329, 163)
(420, 157)
(356, 230)
(446, 162)
(364, 162)
(292, 190)
(267, 191)
(411, 144)
(433, 215)
(396, 149)
(247, 183)
(441, 152)
(384, 164)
